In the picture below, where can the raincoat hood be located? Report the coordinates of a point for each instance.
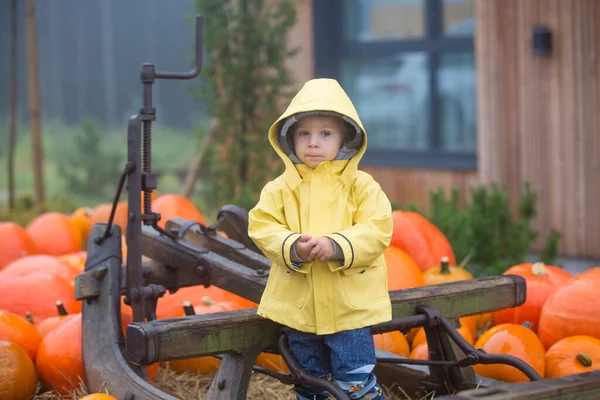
(320, 96)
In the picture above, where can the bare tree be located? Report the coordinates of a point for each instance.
(110, 81)
(12, 133)
(194, 171)
(34, 106)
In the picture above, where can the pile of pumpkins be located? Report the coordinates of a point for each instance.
(556, 331)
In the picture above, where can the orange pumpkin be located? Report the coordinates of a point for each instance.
(17, 373)
(51, 323)
(410, 335)
(483, 321)
(54, 234)
(17, 295)
(101, 213)
(470, 323)
(572, 310)
(573, 355)
(444, 273)
(198, 365)
(463, 329)
(542, 281)
(515, 340)
(209, 306)
(421, 239)
(393, 342)
(59, 362)
(18, 330)
(15, 243)
(176, 206)
(98, 396)
(76, 260)
(170, 304)
(420, 352)
(39, 263)
(81, 219)
(402, 271)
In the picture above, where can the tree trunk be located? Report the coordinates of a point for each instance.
(12, 132)
(192, 175)
(110, 81)
(37, 153)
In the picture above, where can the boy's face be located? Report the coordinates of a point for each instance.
(318, 138)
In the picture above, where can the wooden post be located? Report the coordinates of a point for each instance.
(12, 131)
(37, 153)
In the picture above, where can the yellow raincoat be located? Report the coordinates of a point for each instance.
(334, 200)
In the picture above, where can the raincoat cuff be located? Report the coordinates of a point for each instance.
(286, 254)
(338, 254)
(347, 250)
(294, 255)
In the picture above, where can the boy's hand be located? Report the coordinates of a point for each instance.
(304, 245)
(323, 249)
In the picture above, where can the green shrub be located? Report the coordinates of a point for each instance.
(487, 237)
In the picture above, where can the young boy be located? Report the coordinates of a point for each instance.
(325, 225)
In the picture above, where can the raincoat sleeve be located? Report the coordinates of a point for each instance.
(371, 233)
(269, 231)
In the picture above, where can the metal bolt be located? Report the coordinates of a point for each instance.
(221, 384)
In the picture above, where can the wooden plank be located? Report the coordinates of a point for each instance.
(403, 185)
(538, 117)
(584, 386)
(592, 194)
(236, 331)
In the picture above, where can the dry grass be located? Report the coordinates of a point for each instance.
(193, 386)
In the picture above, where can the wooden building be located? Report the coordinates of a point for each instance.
(456, 93)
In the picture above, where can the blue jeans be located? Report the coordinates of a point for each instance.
(347, 357)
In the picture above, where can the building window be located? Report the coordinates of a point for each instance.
(408, 66)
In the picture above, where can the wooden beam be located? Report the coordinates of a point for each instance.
(584, 386)
(236, 331)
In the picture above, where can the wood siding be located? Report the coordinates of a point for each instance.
(538, 118)
(403, 185)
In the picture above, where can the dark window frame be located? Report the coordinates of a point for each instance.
(330, 47)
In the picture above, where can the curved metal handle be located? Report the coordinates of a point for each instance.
(193, 73)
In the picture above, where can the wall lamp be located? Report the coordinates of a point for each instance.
(542, 41)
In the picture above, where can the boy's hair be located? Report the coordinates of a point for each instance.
(353, 135)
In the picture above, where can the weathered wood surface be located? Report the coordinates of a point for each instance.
(538, 117)
(403, 185)
(235, 331)
(227, 263)
(103, 342)
(584, 386)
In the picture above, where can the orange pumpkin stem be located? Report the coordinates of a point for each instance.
(539, 269)
(208, 301)
(444, 265)
(60, 308)
(188, 309)
(527, 324)
(584, 360)
(29, 318)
